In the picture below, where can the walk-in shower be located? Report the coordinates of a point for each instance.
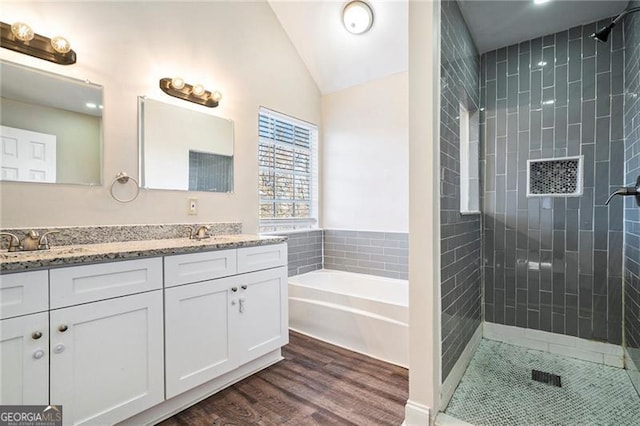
(545, 329)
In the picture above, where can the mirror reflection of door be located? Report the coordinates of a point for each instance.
(27, 156)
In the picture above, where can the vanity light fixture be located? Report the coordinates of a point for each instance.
(177, 88)
(357, 17)
(19, 37)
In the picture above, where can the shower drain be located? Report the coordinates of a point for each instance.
(548, 378)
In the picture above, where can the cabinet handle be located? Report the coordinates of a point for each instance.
(36, 335)
(241, 308)
(234, 289)
(38, 353)
(59, 348)
(62, 328)
(244, 287)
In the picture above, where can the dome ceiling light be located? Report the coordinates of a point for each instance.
(357, 17)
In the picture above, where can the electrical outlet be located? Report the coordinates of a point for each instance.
(193, 206)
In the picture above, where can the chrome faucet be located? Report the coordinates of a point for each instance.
(201, 233)
(30, 242)
(14, 243)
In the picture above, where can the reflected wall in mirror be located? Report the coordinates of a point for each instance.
(51, 127)
(183, 149)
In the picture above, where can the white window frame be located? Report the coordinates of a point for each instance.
(270, 225)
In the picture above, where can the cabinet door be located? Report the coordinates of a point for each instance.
(260, 317)
(197, 333)
(24, 360)
(107, 358)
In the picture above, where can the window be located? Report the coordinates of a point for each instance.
(287, 156)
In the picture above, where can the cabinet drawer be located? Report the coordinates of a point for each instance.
(194, 267)
(261, 257)
(89, 283)
(23, 293)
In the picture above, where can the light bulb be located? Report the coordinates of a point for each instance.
(357, 17)
(60, 44)
(198, 89)
(177, 83)
(216, 96)
(22, 31)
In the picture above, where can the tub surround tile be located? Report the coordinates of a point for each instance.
(384, 254)
(74, 235)
(304, 251)
(112, 251)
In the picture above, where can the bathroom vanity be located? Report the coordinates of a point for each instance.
(136, 331)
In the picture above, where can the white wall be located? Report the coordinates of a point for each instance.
(238, 48)
(365, 156)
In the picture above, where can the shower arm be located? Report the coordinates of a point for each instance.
(624, 13)
(627, 191)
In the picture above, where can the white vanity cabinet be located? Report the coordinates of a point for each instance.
(106, 355)
(217, 325)
(24, 338)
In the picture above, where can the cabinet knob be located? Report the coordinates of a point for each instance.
(233, 302)
(59, 348)
(36, 335)
(244, 287)
(62, 328)
(38, 353)
(234, 289)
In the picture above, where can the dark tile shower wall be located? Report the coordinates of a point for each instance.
(460, 235)
(383, 254)
(554, 264)
(632, 160)
(304, 251)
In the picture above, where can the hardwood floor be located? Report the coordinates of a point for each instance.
(316, 384)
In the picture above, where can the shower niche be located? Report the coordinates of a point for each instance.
(555, 177)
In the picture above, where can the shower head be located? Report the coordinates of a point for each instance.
(602, 35)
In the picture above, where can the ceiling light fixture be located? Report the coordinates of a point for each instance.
(177, 88)
(19, 37)
(357, 17)
(541, 1)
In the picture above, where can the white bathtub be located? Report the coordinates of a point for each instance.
(363, 313)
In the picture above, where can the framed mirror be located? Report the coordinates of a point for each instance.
(184, 149)
(51, 127)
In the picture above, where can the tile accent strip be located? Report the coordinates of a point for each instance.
(305, 251)
(383, 254)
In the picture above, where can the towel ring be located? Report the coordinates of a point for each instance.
(124, 178)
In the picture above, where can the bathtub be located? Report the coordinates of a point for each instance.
(363, 313)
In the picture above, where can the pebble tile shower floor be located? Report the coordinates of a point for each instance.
(497, 389)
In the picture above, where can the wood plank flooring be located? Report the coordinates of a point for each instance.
(316, 384)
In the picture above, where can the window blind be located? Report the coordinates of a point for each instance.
(288, 172)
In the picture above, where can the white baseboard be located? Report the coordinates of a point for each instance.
(178, 403)
(456, 373)
(415, 414)
(574, 347)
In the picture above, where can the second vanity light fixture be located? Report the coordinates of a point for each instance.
(19, 37)
(357, 17)
(196, 93)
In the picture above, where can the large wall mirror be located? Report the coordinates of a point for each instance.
(183, 149)
(51, 127)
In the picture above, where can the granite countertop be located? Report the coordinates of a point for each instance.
(107, 252)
